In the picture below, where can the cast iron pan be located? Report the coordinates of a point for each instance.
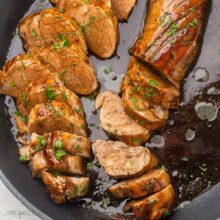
(205, 204)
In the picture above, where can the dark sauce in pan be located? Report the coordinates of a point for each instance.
(189, 146)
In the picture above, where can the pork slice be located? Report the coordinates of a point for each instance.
(50, 27)
(147, 114)
(55, 116)
(46, 91)
(152, 207)
(151, 86)
(63, 188)
(71, 143)
(149, 183)
(171, 36)
(116, 122)
(122, 8)
(22, 70)
(97, 22)
(122, 161)
(73, 66)
(48, 160)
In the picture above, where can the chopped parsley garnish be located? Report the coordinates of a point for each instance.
(75, 189)
(23, 98)
(91, 166)
(34, 33)
(62, 73)
(107, 70)
(166, 213)
(58, 144)
(64, 96)
(77, 110)
(23, 158)
(77, 147)
(193, 23)
(82, 126)
(172, 30)
(153, 202)
(64, 41)
(185, 159)
(134, 100)
(41, 143)
(153, 82)
(50, 93)
(23, 117)
(87, 1)
(85, 189)
(11, 84)
(105, 203)
(60, 153)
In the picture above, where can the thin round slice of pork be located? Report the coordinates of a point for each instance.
(122, 161)
(117, 123)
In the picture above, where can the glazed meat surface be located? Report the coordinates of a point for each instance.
(122, 161)
(97, 22)
(116, 122)
(55, 116)
(46, 91)
(73, 66)
(21, 70)
(149, 183)
(52, 27)
(152, 207)
(63, 188)
(148, 115)
(152, 87)
(70, 143)
(122, 8)
(48, 160)
(170, 38)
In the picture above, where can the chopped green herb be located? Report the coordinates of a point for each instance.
(134, 100)
(82, 126)
(166, 213)
(62, 73)
(34, 33)
(60, 153)
(193, 9)
(23, 117)
(41, 143)
(185, 159)
(193, 23)
(64, 96)
(142, 122)
(107, 70)
(91, 166)
(50, 93)
(58, 144)
(77, 147)
(172, 30)
(64, 40)
(23, 98)
(75, 189)
(23, 158)
(87, 1)
(85, 189)
(11, 84)
(153, 202)
(137, 141)
(77, 110)
(56, 173)
(62, 10)
(105, 203)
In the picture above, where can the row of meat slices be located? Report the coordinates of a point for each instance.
(44, 82)
(150, 189)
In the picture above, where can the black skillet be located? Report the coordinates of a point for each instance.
(31, 192)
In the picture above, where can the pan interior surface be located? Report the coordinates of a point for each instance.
(194, 178)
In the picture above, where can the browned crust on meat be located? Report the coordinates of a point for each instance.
(170, 38)
(149, 183)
